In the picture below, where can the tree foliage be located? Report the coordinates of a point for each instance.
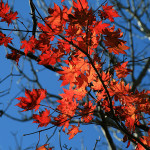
(96, 94)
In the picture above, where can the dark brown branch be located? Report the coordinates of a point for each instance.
(34, 20)
(17, 30)
(17, 119)
(30, 55)
(141, 76)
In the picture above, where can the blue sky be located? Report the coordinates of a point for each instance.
(50, 82)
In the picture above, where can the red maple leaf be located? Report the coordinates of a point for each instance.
(57, 18)
(4, 9)
(121, 70)
(101, 95)
(108, 12)
(29, 45)
(33, 99)
(99, 27)
(113, 42)
(73, 131)
(69, 74)
(5, 14)
(81, 5)
(48, 33)
(13, 56)
(145, 140)
(62, 120)
(50, 57)
(87, 112)
(119, 89)
(44, 148)
(9, 17)
(68, 104)
(4, 39)
(130, 117)
(82, 16)
(97, 85)
(43, 118)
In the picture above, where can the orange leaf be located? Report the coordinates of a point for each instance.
(43, 118)
(113, 42)
(73, 131)
(42, 147)
(4, 39)
(108, 12)
(121, 70)
(29, 45)
(33, 99)
(81, 4)
(87, 112)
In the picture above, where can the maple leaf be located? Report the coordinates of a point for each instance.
(81, 5)
(119, 88)
(48, 34)
(97, 85)
(62, 120)
(57, 18)
(81, 16)
(9, 17)
(82, 81)
(113, 42)
(5, 14)
(87, 112)
(46, 58)
(69, 74)
(13, 56)
(80, 93)
(33, 99)
(83, 41)
(65, 46)
(99, 27)
(101, 95)
(44, 148)
(145, 140)
(91, 74)
(29, 45)
(4, 40)
(108, 12)
(68, 104)
(130, 117)
(73, 131)
(141, 99)
(4, 9)
(121, 70)
(50, 57)
(43, 118)
(74, 30)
